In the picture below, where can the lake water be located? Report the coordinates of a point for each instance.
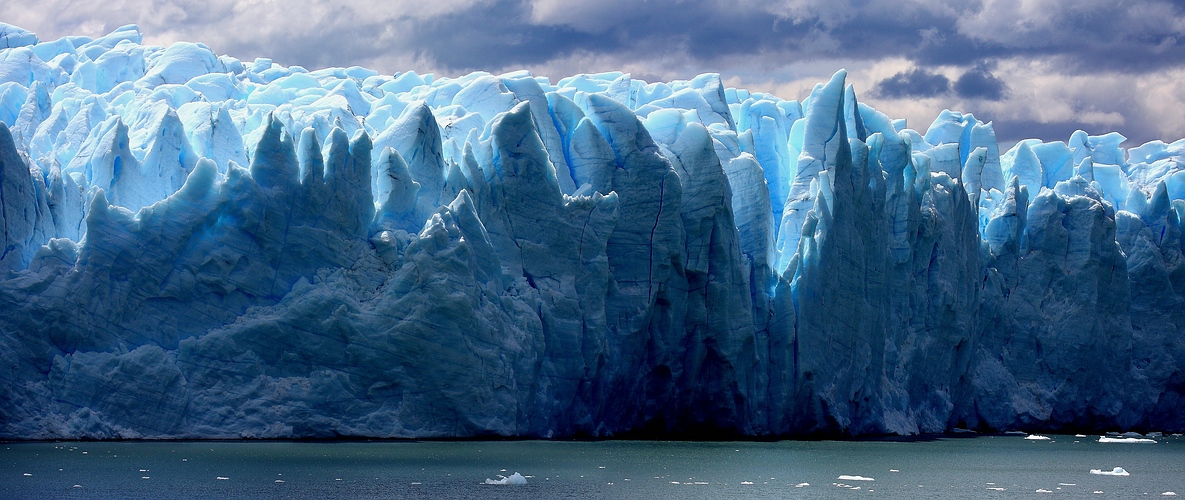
(978, 467)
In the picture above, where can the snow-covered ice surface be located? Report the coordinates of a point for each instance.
(197, 246)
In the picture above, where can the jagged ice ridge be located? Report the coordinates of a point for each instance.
(198, 247)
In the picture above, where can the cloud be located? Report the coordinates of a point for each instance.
(980, 83)
(915, 83)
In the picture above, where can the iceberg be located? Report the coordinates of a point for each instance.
(513, 479)
(1118, 471)
(1105, 439)
(196, 246)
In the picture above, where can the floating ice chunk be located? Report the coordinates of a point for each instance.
(1118, 471)
(1043, 490)
(995, 488)
(846, 477)
(515, 478)
(802, 485)
(1168, 494)
(1105, 439)
(222, 478)
(1080, 435)
(1037, 437)
(746, 482)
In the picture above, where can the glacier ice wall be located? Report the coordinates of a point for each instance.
(200, 247)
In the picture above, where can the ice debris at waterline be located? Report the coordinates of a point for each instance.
(201, 247)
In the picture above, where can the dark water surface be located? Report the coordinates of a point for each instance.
(979, 467)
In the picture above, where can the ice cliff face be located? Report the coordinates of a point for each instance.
(194, 246)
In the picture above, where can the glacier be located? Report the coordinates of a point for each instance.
(201, 247)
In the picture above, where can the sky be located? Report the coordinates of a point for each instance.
(1035, 68)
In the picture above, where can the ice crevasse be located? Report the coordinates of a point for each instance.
(200, 247)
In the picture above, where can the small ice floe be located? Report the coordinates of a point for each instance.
(1043, 490)
(279, 480)
(600, 466)
(1168, 494)
(1118, 471)
(416, 483)
(1080, 435)
(515, 478)
(144, 477)
(1067, 484)
(702, 483)
(802, 485)
(1105, 439)
(846, 477)
(222, 478)
(995, 488)
(894, 470)
(78, 486)
(1037, 437)
(27, 474)
(1097, 492)
(747, 483)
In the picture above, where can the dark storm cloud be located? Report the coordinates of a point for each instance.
(1080, 36)
(980, 83)
(704, 30)
(916, 83)
(1086, 35)
(495, 36)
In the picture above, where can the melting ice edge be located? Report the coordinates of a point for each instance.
(198, 247)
